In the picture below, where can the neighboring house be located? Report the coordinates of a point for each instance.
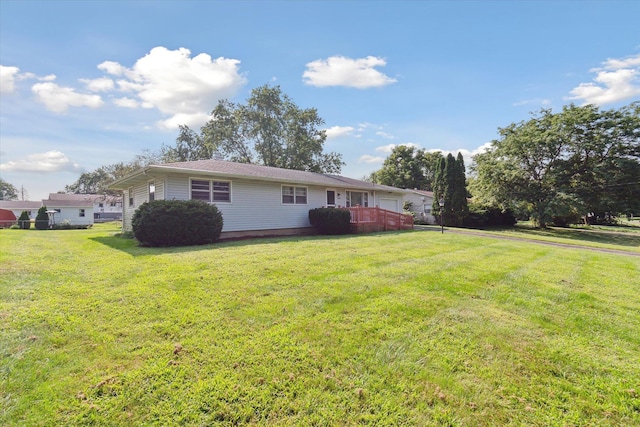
(105, 207)
(254, 200)
(420, 204)
(18, 206)
(78, 211)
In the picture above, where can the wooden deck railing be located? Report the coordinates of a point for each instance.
(365, 220)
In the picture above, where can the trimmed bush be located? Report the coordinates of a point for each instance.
(330, 220)
(176, 223)
(42, 219)
(24, 221)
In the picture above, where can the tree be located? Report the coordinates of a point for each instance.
(408, 167)
(7, 191)
(270, 130)
(450, 187)
(554, 166)
(97, 181)
(42, 218)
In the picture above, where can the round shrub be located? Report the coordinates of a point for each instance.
(176, 223)
(330, 220)
(42, 219)
(24, 221)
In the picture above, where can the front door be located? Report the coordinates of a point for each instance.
(331, 198)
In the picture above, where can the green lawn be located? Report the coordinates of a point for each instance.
(398, 328)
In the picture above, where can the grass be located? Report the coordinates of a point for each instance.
(406, 328)
(624, 237)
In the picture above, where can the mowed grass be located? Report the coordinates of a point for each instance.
(397, 328)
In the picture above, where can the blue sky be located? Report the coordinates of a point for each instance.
(90, 83)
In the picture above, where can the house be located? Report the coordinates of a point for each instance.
(254, 200)
(105, 207)
(77, 209)
(19, 206)
(419, 202)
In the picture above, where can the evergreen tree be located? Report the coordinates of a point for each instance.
(460, 208)
(23, 220)
(450, 187)
(438, 186)
(42, 219)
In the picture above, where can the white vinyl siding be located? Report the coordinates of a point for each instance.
(254, 204)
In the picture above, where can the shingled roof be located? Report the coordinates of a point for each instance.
(250, 171)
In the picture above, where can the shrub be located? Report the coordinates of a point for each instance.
(42, 219)
(176, 223)
(330, 220)
(480, 216)
(14, 227)
(24, 221)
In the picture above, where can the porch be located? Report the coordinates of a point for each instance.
(368, 220)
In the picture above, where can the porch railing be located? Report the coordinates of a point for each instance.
(365, 220)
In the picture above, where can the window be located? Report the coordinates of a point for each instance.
(357, 198)
(130, 196)
(211, 191)
(101, 205)
(81, 213)
(294, 195)
(221, 191)
(152, 191)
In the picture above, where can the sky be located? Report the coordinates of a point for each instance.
(85, 84)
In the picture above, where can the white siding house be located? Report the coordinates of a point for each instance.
(420, 203)
(105, 207)
(253, 200)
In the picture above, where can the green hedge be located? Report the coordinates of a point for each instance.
(176, 223)
(330, 220)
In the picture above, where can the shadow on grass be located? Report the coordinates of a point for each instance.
(131, 246)
(585, 235)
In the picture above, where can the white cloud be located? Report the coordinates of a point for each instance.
(342, 71)
(51, 161)
(103, 84)
(182, 87)
(7, 78)
(10, 75)
(387, 149)
(385, 135)
(370, 159)
(191, 120)
(615, 81)
(338, 131)
(59, 98)
(126, 102)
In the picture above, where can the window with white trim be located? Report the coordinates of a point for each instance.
(294, 195)
(130, 196)
(357, 198)
(211, 191)
(81, 213)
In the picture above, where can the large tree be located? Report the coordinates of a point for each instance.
(450, 188)
(270, 129)
(408, 167)
(558, 165)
